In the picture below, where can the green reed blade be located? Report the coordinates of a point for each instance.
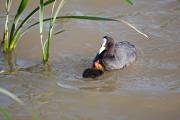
(95, 18)
(32, 13)
(51, 26)
(14, 41)
(61, 31)
(129, 1)
(8, 5)
(41, 5)
(60, 6)
(21, 8)
(45, 44)
(41, 10)
(34, 115)
(12, 45)
(5, 114)
(6, 38)
(6, 29)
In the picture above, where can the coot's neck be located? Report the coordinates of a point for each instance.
(110, 48)
(99, 56)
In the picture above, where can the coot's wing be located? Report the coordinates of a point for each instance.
(124, 54)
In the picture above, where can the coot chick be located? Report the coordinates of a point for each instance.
(92, 73)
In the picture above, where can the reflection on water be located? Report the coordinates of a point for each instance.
(147, 90)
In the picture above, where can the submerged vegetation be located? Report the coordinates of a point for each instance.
(5, 114)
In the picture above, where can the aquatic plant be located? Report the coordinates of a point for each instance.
(129, 1)
(13, 31)
(46, 44)
(12, 35)
(10, 39)
(5, 114)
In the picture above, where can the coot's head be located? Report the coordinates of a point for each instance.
(97, 65)
(107, 43)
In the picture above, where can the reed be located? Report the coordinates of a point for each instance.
(13, 30)
(10, 39)
(95, 18)
(129, 1)
(46, 44)
(6, 29)
(13, 33)
(6, 115)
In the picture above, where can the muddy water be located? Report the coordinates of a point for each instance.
(147, 90)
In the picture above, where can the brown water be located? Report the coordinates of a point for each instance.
(147, 90)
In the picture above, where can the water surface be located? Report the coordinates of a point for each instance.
(149, 89)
